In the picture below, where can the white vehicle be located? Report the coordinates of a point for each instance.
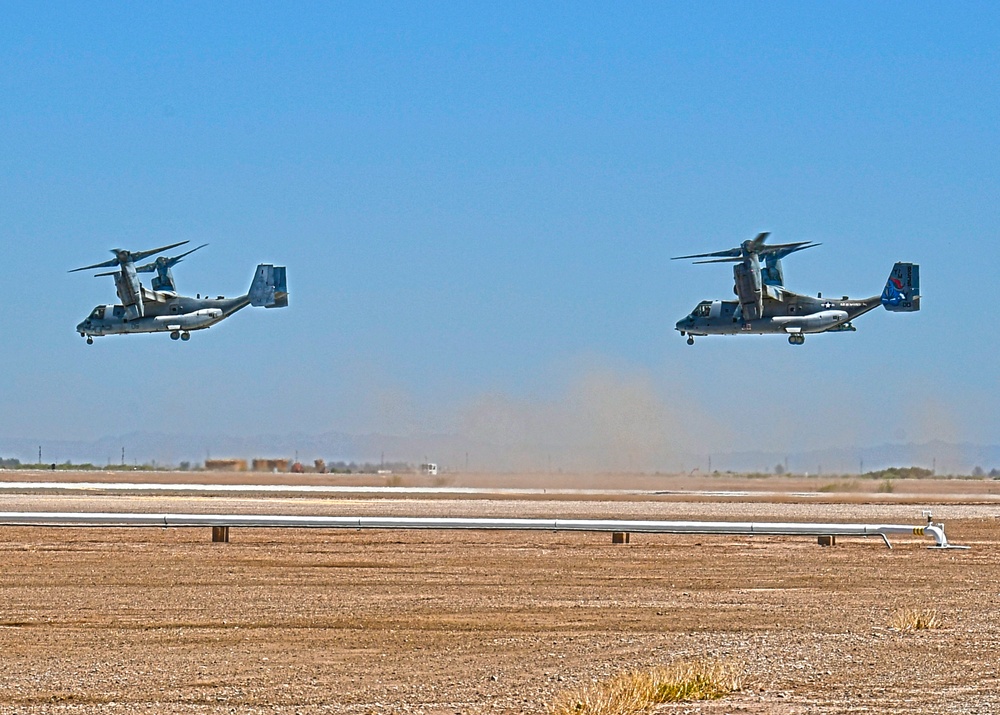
(429, 468)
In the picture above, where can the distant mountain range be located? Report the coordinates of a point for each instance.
(457, 453)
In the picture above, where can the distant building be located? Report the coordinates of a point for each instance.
(226, 465)
(270, 465)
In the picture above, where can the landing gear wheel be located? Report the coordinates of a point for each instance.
(690, 340)
(90, 340)
(175, 335)
(185, 335)
(796, 339)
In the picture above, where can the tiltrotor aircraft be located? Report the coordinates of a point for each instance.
(162, 309)
(765, 306)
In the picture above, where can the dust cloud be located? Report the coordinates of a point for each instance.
(603, 421)
(608, 420)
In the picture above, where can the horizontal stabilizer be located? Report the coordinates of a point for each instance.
(269, 289)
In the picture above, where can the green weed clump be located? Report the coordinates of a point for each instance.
(847, 486)
(639, 691)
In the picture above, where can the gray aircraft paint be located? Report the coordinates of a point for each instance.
(765, 306)
(165, 311)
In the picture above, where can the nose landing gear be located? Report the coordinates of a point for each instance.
(690, 340)
(90, 340)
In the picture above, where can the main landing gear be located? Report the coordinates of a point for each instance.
(796, 338)
(178, 335)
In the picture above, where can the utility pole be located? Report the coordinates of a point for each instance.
(39, 454)
(123, 456)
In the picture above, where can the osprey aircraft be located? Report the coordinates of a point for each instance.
(161, 309)
(765, 306)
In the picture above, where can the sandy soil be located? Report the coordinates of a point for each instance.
(286, 621)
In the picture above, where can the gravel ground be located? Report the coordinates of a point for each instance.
(96, 620)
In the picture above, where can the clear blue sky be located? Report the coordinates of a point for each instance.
(477, 204)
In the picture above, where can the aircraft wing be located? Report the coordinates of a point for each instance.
(152, 296)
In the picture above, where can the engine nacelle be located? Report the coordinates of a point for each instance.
(748, 288)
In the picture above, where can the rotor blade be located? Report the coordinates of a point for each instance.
(109, 273)
(134, 256)
(168, 262)
(719, 260)
(781, 246)
(731, 253)
(784, 249)
(139, 255)
(106, 264)
(175, 259)
(758, 242)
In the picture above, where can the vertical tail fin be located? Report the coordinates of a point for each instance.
(902, 290)
(268, 288)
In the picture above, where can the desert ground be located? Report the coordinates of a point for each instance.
(115, 620)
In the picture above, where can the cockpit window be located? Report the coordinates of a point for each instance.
(702, 310)
(98, 313)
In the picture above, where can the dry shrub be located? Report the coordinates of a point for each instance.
(886, 486)
(915, 619)
(638, 691)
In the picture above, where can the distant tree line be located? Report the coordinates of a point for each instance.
(74, 466)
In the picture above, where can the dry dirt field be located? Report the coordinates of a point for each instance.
(97, 620)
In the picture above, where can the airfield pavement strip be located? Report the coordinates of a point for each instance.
(311, 621)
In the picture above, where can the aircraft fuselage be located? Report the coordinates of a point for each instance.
(169, 312)
(784, 312)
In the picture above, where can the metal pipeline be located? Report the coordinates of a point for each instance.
(110, 519)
